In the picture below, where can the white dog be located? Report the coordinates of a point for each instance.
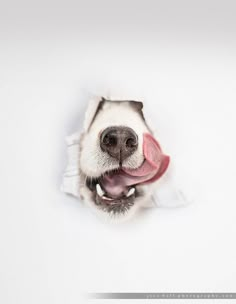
(115, 163)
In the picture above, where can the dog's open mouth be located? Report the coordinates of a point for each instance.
(116, 190)
(106, 199)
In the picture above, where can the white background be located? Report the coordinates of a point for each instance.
(179, 57)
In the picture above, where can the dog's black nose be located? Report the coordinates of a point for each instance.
(119, 142)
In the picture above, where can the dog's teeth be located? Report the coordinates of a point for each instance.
(100, 192)
(131, 192)
(107, 198)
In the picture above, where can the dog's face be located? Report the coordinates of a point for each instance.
(111, 151)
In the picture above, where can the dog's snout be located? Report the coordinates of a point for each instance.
(119, 142)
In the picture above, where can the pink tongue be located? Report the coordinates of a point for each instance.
(153, 167)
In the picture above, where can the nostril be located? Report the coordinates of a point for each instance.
(131, 142)
(109, 140)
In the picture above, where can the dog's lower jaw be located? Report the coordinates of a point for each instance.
(112, 216)
(119, 209)
(120, 213)
(114, 207)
